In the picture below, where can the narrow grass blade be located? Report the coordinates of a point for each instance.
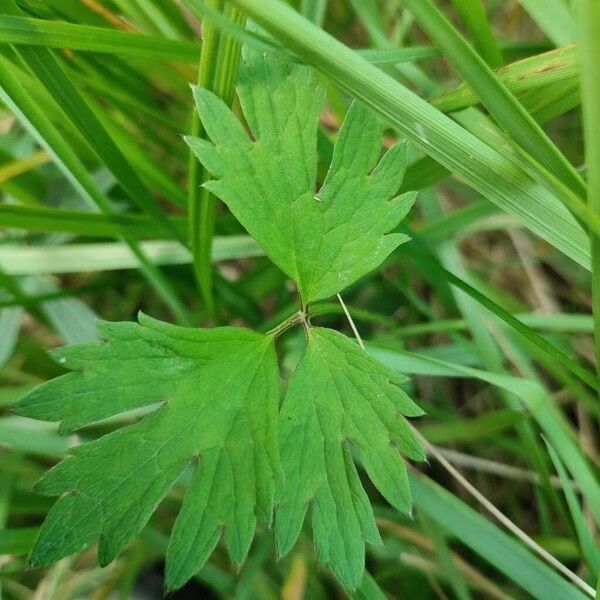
(314, 10)
(45, 66)
(589, 548)
(17, 541)
(33, 118)
(42, 219)
(555, 353)
(502, 105)
(473, 14)
(85, 258)
(493, 545)
(588, 21)
(23, 165)
(553, 17)
(10, 325)
(559, 65)
(55, 34)
(534, 397)
(483, 426)
(217, 72)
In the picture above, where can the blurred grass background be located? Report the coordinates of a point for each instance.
(100, 218)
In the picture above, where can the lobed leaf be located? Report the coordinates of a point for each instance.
(323, 239)
(340, 400)
(218, 394)
(211, 396)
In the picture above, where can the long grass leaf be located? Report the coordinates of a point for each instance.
(502, 105)
(555, 353)
(314, 10)
(493, 545)
(534, 397)
(589, 548)
(553, 17)
(588, 22)
(87, 38)
(217, 72)
(38, 219)
(528, 74)
(473, 14)
(44, 66)
(110, 256)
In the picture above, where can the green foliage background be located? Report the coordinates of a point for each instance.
(489, 309)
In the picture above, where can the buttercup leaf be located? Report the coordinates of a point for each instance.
(211, 396)
(218, 395)
(341, 401)
(323, 239)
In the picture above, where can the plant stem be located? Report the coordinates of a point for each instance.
(219, 61)
(295, 319)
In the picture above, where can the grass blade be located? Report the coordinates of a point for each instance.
(519, 77)
(555, 353)
(85, 258)
(218, 69)
(32, 117)
(44, 65)
(502, 105)
(588, 21)
(42, 219)
(314, 10)
(55, 34)
(586, 541)
(473, 14)
(553, 18)
(492, 544)
(533, 396)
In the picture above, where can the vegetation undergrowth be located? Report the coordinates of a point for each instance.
(323, 324)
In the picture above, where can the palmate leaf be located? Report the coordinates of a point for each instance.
(323, 239)
(213, 395)
(340, 400)
(218, 391)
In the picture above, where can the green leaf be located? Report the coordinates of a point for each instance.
(35, 119)
(76, 258)
(341, 401)
(485, 168)
(589, 548)
(323, 239)
(539, 71)
(502, 105)
(473, 13)
(215, 394)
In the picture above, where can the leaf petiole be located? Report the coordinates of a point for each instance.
(292, 321)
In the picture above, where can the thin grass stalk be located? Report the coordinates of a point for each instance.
(588, 26)
(477, 495)
(219, 61)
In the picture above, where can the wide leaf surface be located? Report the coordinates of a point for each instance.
(218, 395)
(340, 400)
(322, 239)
